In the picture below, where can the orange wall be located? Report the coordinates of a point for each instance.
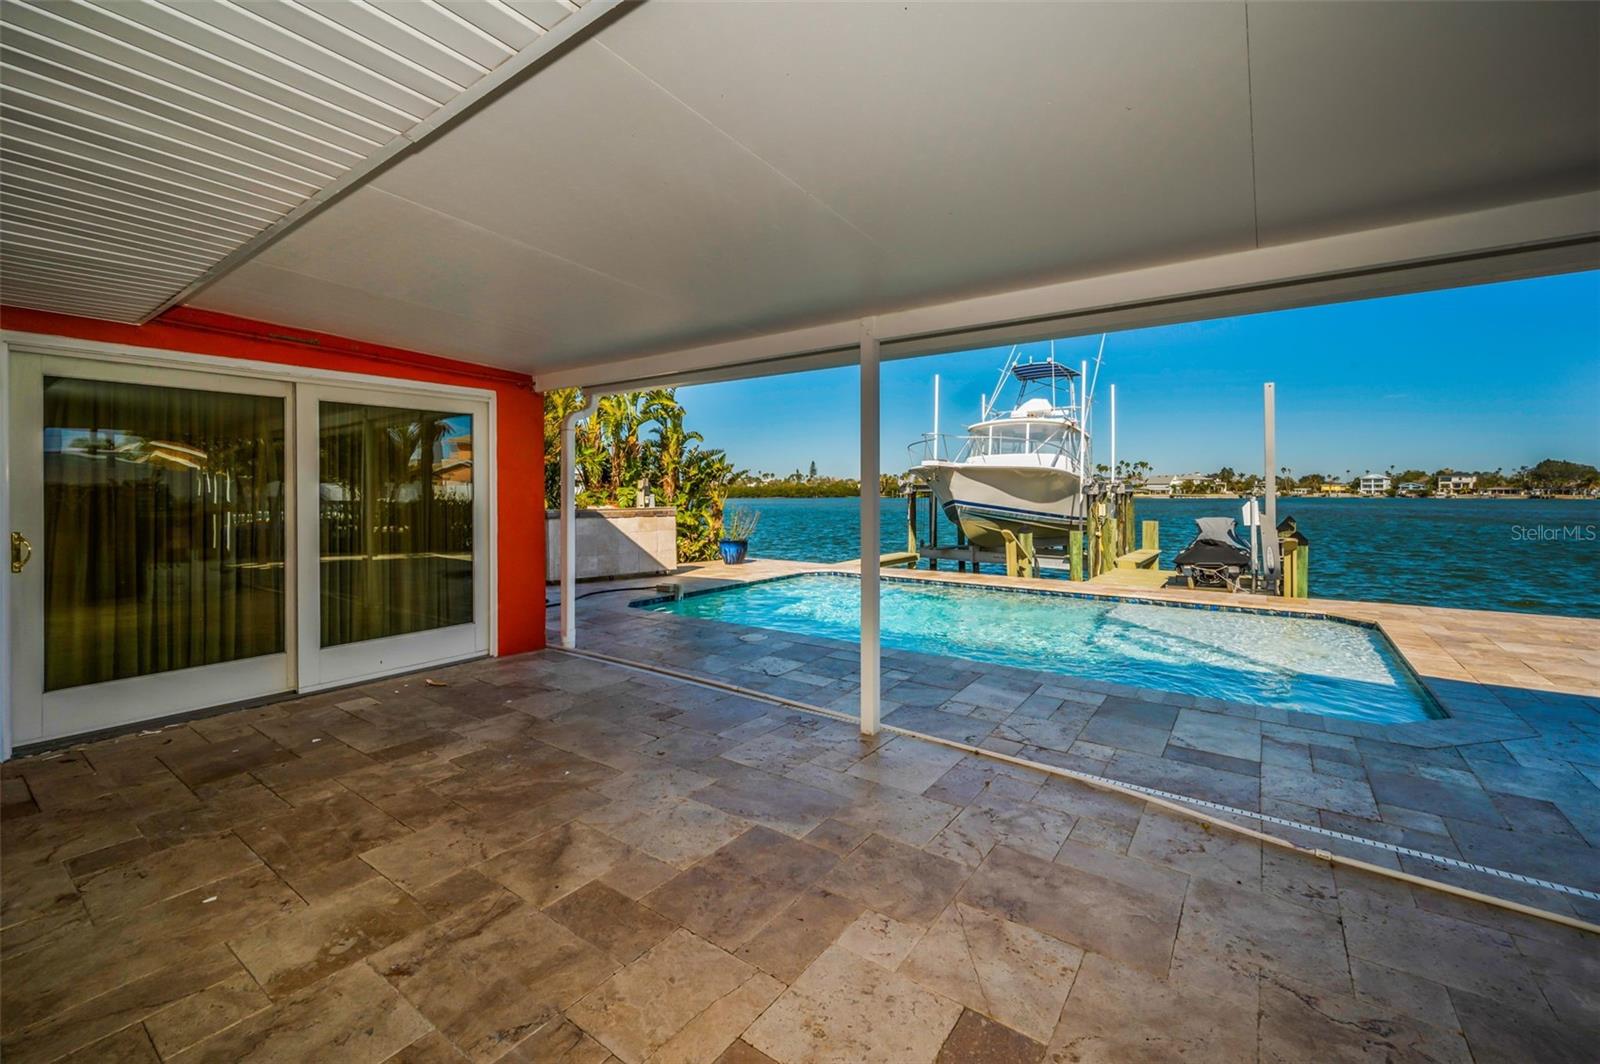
(519, 457)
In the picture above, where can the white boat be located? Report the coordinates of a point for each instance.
(1021, 467)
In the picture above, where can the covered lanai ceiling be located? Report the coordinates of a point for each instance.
(148, 144)
(700, 184)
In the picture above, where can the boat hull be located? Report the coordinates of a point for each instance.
(987, 500)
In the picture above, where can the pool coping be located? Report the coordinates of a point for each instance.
(1429, 696)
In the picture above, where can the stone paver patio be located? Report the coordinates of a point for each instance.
(549, 859)
(1511, 780)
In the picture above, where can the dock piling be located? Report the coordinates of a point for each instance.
(1021, 561)
(1294, 552)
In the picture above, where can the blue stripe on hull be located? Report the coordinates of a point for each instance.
(1036, 516)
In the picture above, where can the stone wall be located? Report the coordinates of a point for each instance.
(612, 543)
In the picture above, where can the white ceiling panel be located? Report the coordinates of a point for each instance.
(505, 292)
(1395, 111)
(144, 141)
(981, 145)
(716, 217)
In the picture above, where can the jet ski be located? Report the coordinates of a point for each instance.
(1216, 557)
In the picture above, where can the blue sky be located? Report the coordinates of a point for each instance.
(1469, 378)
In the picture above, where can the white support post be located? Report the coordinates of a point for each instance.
(1084, 457)
(1269, 534)
(569, 522)
(1113, 435)
(870, 545)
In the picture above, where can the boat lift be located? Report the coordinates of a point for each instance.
(1104, 551)
(1105, 545)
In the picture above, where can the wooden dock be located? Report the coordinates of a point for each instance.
(1132, 577)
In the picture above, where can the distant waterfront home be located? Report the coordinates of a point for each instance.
(1180, 484)
(1412, 487)
(1373, 484)
(1333, 487)
(1456, 483)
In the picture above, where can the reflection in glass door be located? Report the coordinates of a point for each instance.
(399, 573)
(154, 505)
(395, 521)
(163, 529)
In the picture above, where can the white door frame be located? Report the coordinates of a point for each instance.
(322, 667)
(144, 360)
(37, 715)
(5, 576)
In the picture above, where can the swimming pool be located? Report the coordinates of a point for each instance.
(1329, 667)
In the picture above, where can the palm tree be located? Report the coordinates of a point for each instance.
(620, 417)
(557, 405)
(662, 407)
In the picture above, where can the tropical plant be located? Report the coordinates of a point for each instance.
(613, 459)
(557, 405)
(740, 524)
(672, 439)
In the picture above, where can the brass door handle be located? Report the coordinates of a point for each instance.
(21, 551)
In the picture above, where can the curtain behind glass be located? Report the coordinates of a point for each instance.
(163, 529)
(395, 521)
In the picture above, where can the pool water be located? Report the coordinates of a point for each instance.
(1327, 667)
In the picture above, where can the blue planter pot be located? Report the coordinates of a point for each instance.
(734, 550)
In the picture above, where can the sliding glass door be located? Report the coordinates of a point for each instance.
(391, 499)
(152, 543)
(183, 539)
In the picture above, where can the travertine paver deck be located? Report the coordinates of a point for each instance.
(550, 859)
(1510, 780)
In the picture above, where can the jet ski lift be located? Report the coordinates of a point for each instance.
(1216, 557)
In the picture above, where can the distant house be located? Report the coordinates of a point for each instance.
(1170, 483)
(1412, 487)
(1456, 483)
(1333, 487)
(1373, 484)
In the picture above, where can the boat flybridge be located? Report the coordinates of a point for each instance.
(1021, 466)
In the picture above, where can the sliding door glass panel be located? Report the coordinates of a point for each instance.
(163, 529)
(395, 521)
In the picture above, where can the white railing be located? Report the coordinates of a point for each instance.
(1058, 448)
